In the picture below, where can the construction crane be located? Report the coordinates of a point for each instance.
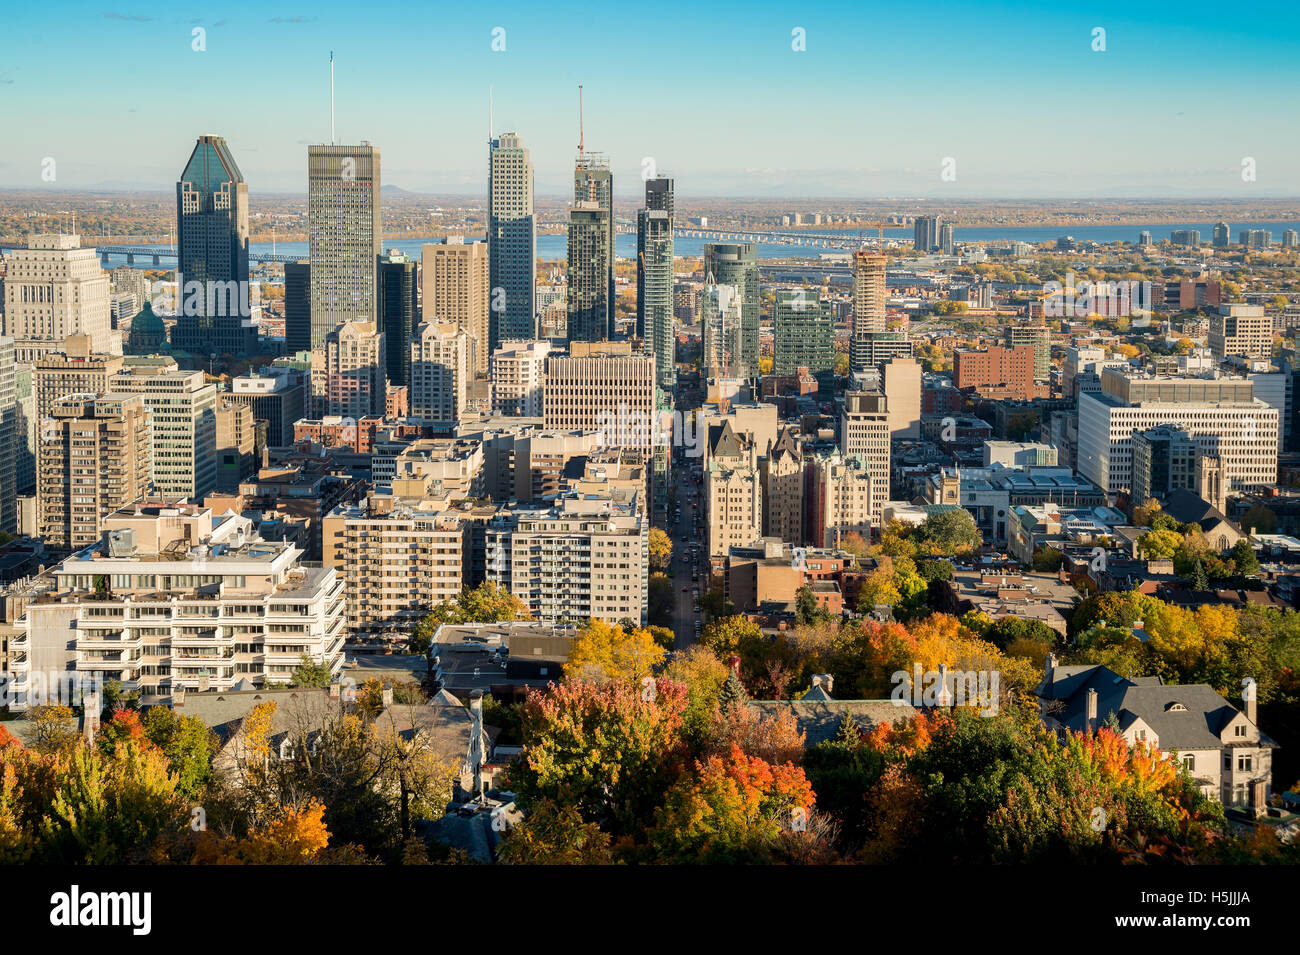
(880, 236)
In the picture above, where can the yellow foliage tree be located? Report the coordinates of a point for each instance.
(605, 651)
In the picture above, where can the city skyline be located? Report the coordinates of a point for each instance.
(1011, 131)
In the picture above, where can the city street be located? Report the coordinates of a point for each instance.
(684, 533)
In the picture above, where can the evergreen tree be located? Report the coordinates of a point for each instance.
(732, 694)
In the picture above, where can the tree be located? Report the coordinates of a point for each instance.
(932, 570)
(54, 727)
(1243, 555)
(659, 600)
(487, 603)
(1159, 545)
(948, 532)
(877, 588)
(603, 651)
(1143, 514)
(807, 609)
(188, 745)
(661, 550)
(554, 834)
(309, 672)
(1259, 520)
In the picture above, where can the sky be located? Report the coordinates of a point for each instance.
(899, 100)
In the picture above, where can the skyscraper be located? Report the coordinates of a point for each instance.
(591, 230)
(947, 242)
(344, 231)
(10, 415)
(439, 361)
(738, 265)
(868, 303)
(297, 306)
(512, 243)
(803, 333)
(925, 233)
(455, 280)
(396, 308)
(212, 254)
(654, 277)
(347, 372)
(1221, 235)
(54, 288)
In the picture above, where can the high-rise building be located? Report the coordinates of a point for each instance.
(10, 437)
(54, 288)
(865, 437)
(518, 373)
(803, 333)
(998, 372)
(593, 182)
(214, 315)
(782, 474)
(1255, 238)
(512, 243)
(1038, 337)
(654, 278)
(603, 388)
(733, 489)
(95, 459)
(737, 264)
(297, 306)
(397, 313)
(1144, 237)
(439, 363)
(1164, 459)
(869, 293)
(844, 497)
(925, 233)
(182, 427)
(456, 288)
(900, 380)
(1290, 239)
(1186, 237)
(73, 369)
(277, 396)
(235, 440)
(1220, 235)
(347, 372)
(947, 240)
(344, 228)
(590, 310)
(875, 347)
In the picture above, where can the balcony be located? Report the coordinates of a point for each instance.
(215, 637)
(108, 640)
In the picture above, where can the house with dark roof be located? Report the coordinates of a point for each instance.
(819, 716)
(1219, 745)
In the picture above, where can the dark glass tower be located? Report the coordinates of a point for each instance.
(212, 247)
(737, 264)
(396, 308)
(593, 196)
(654, 277)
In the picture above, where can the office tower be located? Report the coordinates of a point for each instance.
(518, 374)
(865, 436)
(235, 441)
(1164, 459)
(590, 311)
(277, 396)
(212, 254)
(1144, 238)
(875, 347)
(900, 380)
(10, 437)
(738, 265)
(182, 427)
(1241, 330)
(654, 278)
(95, 459)
(532, 552)
(396, 310)
(925, 233)
(347, 372)
(947, 244)
(439, 366)
(297, 306)
(173, 570)
(512, 244)
(399, 555)
(53, 289)
(869, 292)
(803, 333)
(1222, 415)
(1038, 337)
(343, 209)
(593, 182)
(456, 278)
(1186, 237)
(1220, 239)
(602, 387)
(1290, 239)
(722, 323)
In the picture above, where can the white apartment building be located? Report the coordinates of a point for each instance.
(347, 372)
(865, 431)
(1222, 416)
(439, 368)
(177, 596)
(583, 558)
(518, 373)
(53, 289)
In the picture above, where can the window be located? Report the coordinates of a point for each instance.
(1245, 763)
(1189, 763)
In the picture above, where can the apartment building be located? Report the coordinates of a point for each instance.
(439, 369)
(865, 433)
(782, 474)
(183, 426)
(347, 372)
(1242, 330)
(581, 558)
(603, 387)
(998, 373)
(456, 289)
(176, 596)
(95, 459)
(399, 554)
(517, 374)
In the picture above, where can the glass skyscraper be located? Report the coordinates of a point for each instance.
(591, 312)
(512, 242)
(396, 309)
(737, 264)
(654, 278)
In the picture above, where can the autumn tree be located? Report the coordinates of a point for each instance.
(553, 834)
(605, 651)
(661, 550)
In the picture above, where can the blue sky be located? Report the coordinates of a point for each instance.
(712, 92)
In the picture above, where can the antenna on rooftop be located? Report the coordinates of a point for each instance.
(489, 115)
(333, 142)
(581, 139)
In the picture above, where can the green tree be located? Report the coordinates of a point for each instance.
(1259, 520)
(309, 672)
(948, 532)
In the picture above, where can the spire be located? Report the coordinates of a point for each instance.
(581, 138)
